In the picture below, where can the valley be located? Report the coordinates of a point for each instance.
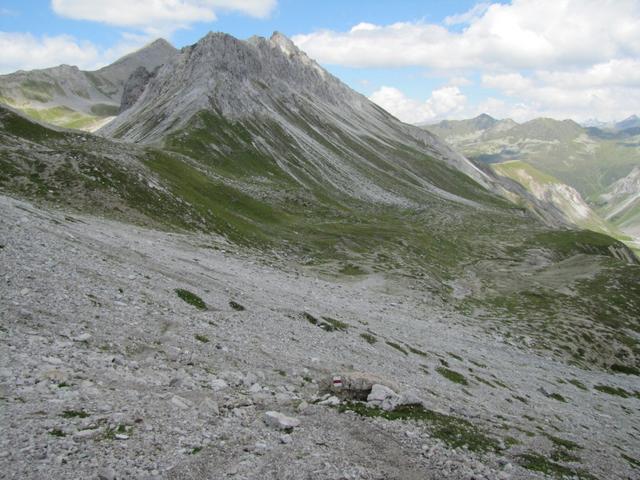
(254, 272)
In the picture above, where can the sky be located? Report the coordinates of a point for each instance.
(423, 61)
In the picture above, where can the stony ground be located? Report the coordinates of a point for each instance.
(105, 372)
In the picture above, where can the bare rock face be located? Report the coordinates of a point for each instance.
(89, 93)
(275, 90)
(134, 87)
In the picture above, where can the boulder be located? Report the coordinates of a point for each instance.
(354, 385)
(280, 420)
(383, 397)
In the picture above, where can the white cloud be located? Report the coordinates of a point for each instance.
(469, 16)
(560, 58)
(157, 16)
(23, 51)
(444, 102)
(523, 34)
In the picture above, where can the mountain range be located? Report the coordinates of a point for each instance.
(586, 169)
(69, 97)
(243, 168)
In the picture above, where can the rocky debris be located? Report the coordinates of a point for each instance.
(280, 420)
(186, 408)
(383, 397)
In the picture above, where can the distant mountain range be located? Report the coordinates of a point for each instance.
(632, 121)
(574, 162)
(69, 97)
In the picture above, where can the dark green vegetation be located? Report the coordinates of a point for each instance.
(74, 414)
(629, 370)
(397, 346)
(191, 298)
(452, 375)
(578, 384)
(589, 159)
(578, 304)
(617, 391)
(539, 463)
(236, 306)
(202, 338)
(369, 338)
(56, 432)
(632, 461)
(327, 324)
(453, 431)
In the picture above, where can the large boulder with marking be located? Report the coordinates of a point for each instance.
(354, 385)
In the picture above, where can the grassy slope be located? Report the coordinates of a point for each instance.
(245, 195)
(582, 158)
(535, 180)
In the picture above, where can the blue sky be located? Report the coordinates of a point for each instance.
(422, 60)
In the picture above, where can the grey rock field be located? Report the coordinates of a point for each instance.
(107, 373)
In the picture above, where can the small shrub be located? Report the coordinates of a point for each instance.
(369, 338)
(202, 338)
(56, 432)
(236, 306)
(558, 397)
(578, 384)
(310, 318)
(191, 298)
(336, 324)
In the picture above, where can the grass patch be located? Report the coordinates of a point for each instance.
(110, 433)
(310, 318)
(486, 382)
(336, 324)
(561, 442)
(191, 298)
(369, 338)
(452, 375)
(351, 269)
(453, 431)
(327, 324)
(397, 347)
(632, 461)
(627, 369)
(56, 432)
(617, 391)
(416, 351)
(202, 338)
(558, 397)
(538, 463)
(578, 383)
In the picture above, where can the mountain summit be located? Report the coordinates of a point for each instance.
(69, 97)
(272, 94)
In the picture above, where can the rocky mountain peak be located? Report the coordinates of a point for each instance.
(284, 42)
